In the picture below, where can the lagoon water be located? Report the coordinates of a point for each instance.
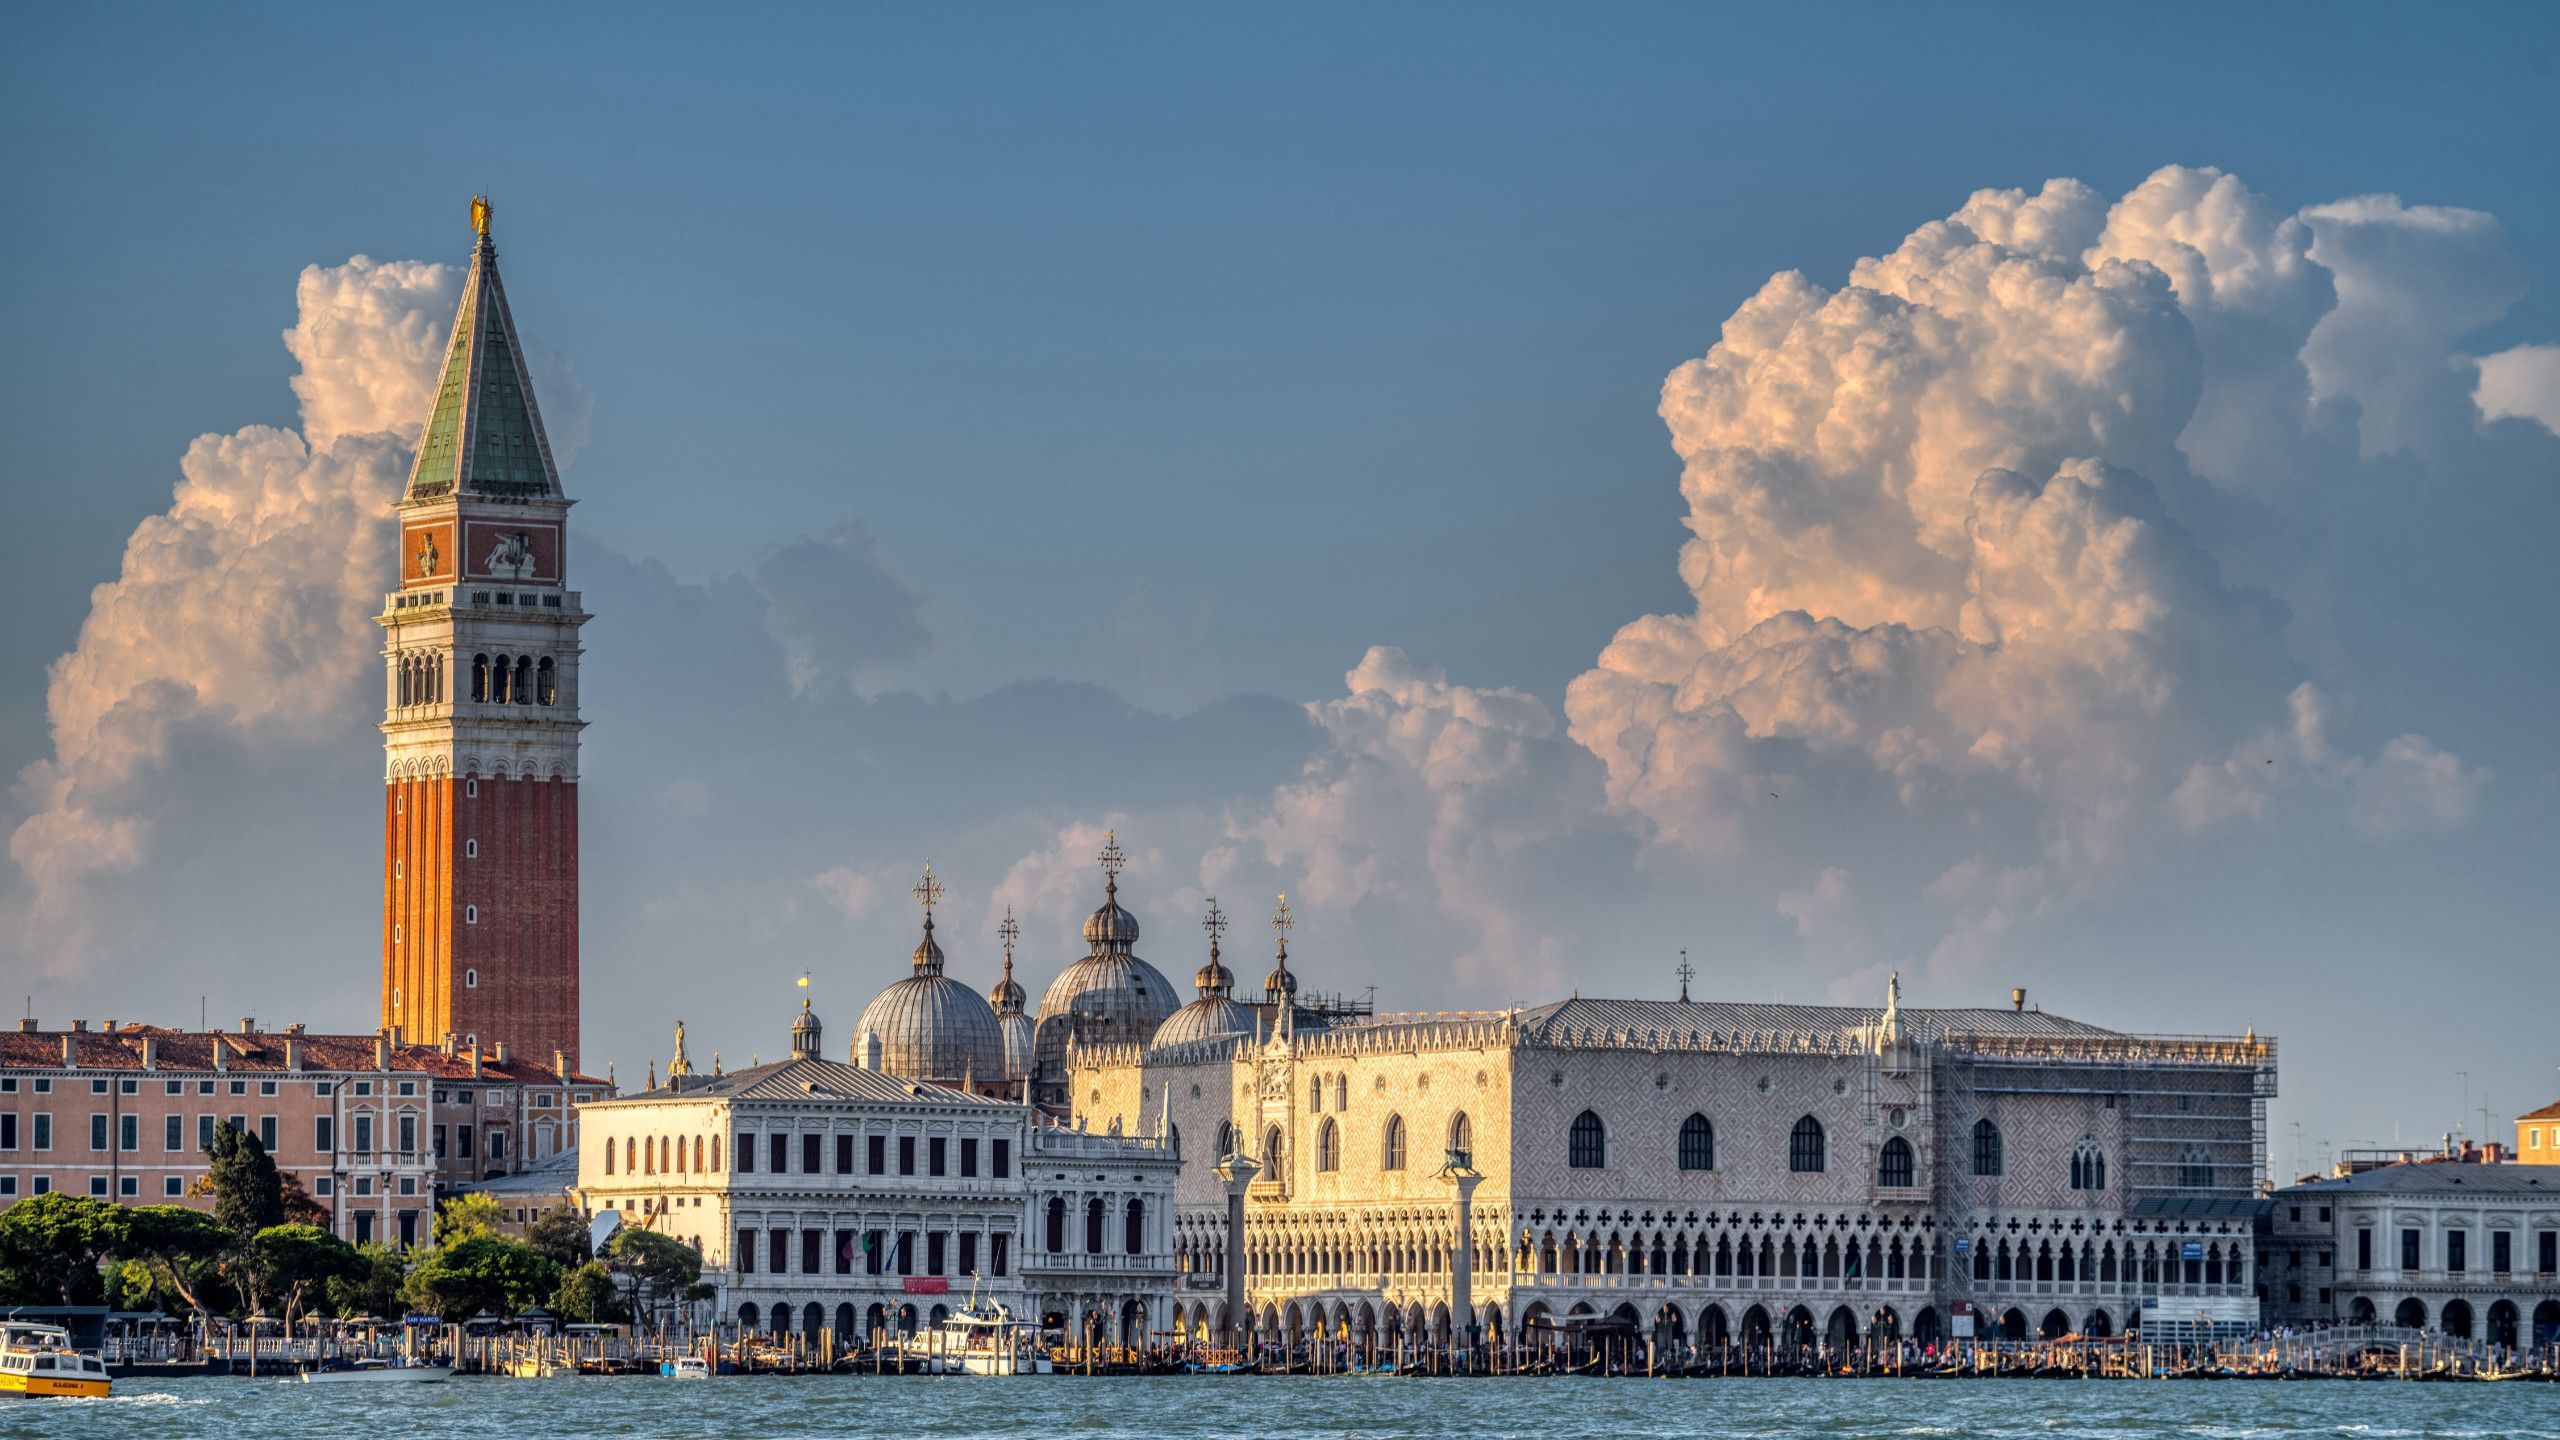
(1283, 1409)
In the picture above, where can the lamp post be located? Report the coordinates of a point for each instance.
(1236, 1171)
(1459, 1169)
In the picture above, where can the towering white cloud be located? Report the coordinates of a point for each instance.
(1953, 525)
(244, 607)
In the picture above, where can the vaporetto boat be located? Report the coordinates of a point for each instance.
(38, 1361)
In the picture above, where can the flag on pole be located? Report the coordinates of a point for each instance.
(803, 982)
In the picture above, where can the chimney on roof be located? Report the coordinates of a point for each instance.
(71, 1050)
(248, 1025)
(79, 1027)
(296, 1028)
(30, 1025)
(292, 1050)
(382, 1048)
(150, 1051)
(109, 1027)
(221, 1057)
(2493, 1153)
(475, 1059)
(502, 1052)
(2018, 998)
(451, 1045)
(560, 1063)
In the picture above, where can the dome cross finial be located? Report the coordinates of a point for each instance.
(929, 892)
(1112, 860)
(1216, 924)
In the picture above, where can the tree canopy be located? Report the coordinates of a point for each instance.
(561, 1233)
(466, 1217)
(248, 1194)
(179, 1246)
(52, 1245)
(486, 1272)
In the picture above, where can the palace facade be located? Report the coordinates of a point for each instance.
(826, 1197)
(1688, 1171)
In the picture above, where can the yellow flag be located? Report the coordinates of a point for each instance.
(804, 982)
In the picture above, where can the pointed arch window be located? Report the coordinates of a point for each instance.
(1697, 1144)
(1804, 1147)
(1986, 1148)
(1893, 1166)
(1226, 1139)
(2088, 1166)
(1315, 1095)
(1587, 1143)
(1329, 1147)
(1272, 1153)
(1341, 1092)
(1391, 1154)
(1462, 1135)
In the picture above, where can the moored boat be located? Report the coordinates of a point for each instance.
(376, 1372)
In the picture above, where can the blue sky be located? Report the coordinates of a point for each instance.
(1180, 356)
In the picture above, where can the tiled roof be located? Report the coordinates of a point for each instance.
(550, 1176)
(2547, 1112)
(2444, 1177)
(1680, 1017)
(805, 1077)
(258, 1051)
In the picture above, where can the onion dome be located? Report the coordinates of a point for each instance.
(1215, 1013)
(1280, 985)
(1008, 999)
(1110, 996)
(929, 1026)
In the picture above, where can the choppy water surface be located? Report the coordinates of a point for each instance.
(1058, 1408)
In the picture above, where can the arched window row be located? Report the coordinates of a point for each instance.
(514, 680)
(664, 1155)
(417, 678)
(2019, 1260)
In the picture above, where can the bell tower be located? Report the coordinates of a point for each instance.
(480, 720)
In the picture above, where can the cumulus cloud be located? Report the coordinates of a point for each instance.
(1953, 526)
(2409, 786)
(2521, 384)
(244, 607)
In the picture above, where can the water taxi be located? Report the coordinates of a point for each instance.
(688, 1367)
(38, 1360)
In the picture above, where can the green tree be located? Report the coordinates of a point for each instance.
(486, 1272)
(661, 1267)
(561, 1233)
(292, 1264)
(248, 1195)
(375, 1288)
(55, 1241)
(131, 1286)
(467, 1217)
(589, 1296)
(181, 1248)
(299, 1207)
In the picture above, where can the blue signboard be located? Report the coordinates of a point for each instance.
(2192, 1250)
(1964, 1244)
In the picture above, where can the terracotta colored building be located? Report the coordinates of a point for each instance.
(376, 1131)
(480, 725)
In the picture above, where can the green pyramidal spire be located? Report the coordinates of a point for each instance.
(485, 437)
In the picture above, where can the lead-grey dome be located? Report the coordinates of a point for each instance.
(1108, 997)
(1215, 1013)
(930, 1027)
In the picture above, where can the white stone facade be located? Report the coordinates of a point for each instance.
(825, 1197)
(2114, 1154)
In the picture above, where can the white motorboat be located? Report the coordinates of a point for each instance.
(688, 1367)
(377, 1372)
(984, 1338)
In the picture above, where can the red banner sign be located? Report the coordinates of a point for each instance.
(927, 1285)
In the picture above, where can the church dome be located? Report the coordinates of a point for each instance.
(1214, 1013)
(1206, 1019)
(1110, 996)
(1008, 999)
(929, 1026)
